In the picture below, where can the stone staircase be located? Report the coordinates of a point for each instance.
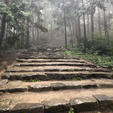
(52, 82)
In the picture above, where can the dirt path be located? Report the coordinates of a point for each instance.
(57, 81)
(6, 59)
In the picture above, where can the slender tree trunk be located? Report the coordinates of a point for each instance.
(71, 31)
(38, 35)
(65, 28)
(51, 29)
(3, 27)
(22, 41)
(77, 37)
(85, 36)
(79, 28)
(106, 27)
(99, 22)
(28, 37)
(65, 24)
(33, 34)
(88, 29)
(73, 25)
(92, 25)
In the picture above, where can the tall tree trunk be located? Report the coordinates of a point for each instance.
(71, 32)
(65, 24)
(3, 27)
(38, 35)
(65, 28)
(33, 34)
(106, 27)
(88, 28)
(99, 22)
(28, 36)
(77, 36)
(92, 25)
(85, 37)
(79, 28)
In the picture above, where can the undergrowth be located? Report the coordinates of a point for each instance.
(103, 60)
(33, 80)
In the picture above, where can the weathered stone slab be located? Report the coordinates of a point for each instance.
(18, 86)
(28, 108)
(3, 82)
(12, 90)
(105, 102)
(58, 86)
(54, 64)
(56, 106)
(1, 93)
(24, 76)
(87, 86)
(73, 86)
(105, 85)
(50, 60)
(84, 104)
(14, 86)
(39, 88)
(55, 75)
(4, 105)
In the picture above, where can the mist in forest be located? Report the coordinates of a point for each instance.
(83, 24)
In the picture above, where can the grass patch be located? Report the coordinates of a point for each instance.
(104, 60)
(71, 110)
(33, 80)
(76, 79)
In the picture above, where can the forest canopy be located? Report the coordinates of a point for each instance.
(83, 24)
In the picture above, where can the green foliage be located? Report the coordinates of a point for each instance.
(104, 61)
(99, 44)
(75, 79)
(10, 41)
(33, 80)
(71, 110)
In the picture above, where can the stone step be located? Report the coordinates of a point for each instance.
(54, 68)
(55, 64)
(57, 101)
(50, 60)
(19, 86)
(56, 75)
(29, 56)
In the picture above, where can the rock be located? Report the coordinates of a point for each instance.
(58, 86)
(105, 102)
(39, 88)
(89, 86)
(56, 106)
(3, 82)
(4, 105)
(73, 86)
(1, 93)
(12, 90)
(28, 108)
(84, 104)
(105, 85)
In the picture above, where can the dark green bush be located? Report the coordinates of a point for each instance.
(99, 44)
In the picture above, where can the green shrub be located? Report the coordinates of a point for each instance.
(99, 44)
(103, 60)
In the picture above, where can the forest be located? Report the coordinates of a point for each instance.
(81, 27)
(56, 56)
